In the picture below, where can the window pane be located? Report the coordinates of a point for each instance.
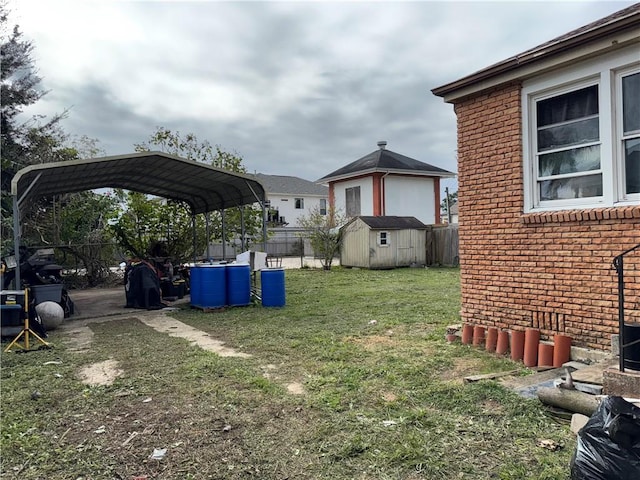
(352, 201)
(574, 133)
(574, 187)
(569, 161)
(632, 165)
(570, 106)
(631, 102)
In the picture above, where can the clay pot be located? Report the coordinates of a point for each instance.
(492, 339)
(502, 345)
(531, 341)
(561, 350)
(452, 337)
(467, 333)
(545, 355)
(478, 335)
(517, 345)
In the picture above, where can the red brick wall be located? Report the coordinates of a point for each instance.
(551, 271)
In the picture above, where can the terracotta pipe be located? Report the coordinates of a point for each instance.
(467, 333)
(545, 355)
(503, 342)
(561, 350)
(492, 339)
(478, 335)
(517, 345)
(531, 340)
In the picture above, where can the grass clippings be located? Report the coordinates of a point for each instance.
(372, 400)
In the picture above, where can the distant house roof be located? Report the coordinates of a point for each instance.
(287, 185)
(623, 23)
(391, 223)
(383, 160)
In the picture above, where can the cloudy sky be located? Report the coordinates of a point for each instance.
(295, 88)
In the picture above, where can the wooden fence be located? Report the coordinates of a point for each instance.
(442, 245)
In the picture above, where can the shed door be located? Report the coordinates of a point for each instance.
(406, 244)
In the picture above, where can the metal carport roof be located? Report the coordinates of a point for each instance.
(203, 187)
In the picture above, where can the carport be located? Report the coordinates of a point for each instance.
(203, 187)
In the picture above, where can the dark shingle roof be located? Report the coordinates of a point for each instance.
(288, 185)
(383, 160)
(393, 223)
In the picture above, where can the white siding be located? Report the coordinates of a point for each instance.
(286, 206)
(366, 195)
(355, 245)
(382, 256)
(410, 197)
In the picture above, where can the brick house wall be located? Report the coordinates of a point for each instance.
(551, 270)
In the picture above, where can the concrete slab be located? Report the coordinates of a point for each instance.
(104, 302)
(593, 373)
(624, 384)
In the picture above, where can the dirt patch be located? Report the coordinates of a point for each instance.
(175, 328)
(101, 373)
(268, 370)
(462, 367)
(492, 407)
(389, 396)
(295, 388)
(79, 339)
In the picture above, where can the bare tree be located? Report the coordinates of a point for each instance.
(323, 230)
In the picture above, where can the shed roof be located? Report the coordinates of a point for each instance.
(288, 185)
(623, 23)
(203, 187)
(392, 223)
(383, 160)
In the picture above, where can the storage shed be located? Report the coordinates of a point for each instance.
(383, 242)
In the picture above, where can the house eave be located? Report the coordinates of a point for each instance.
(548, 57)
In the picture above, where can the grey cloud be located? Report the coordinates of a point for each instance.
(297, 88)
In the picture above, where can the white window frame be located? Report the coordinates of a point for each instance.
(387, 239)
(323, 206)
(619, 134)
(605, 72)
(299, 203)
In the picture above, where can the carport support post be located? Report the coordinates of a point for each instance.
(264, 223)
(16, 240)
(242, 230)
(193, 224)
(224, 235)
(207, 220)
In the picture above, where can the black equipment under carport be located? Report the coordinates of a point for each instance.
(142, 286)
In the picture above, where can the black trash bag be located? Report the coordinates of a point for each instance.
(608, 445)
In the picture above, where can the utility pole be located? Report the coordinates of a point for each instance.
(447, 206)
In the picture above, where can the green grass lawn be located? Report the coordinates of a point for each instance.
(351, 380)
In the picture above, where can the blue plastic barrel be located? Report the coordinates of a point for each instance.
(214, 286)
(238, 284)
(195, 285)
(272, 281)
